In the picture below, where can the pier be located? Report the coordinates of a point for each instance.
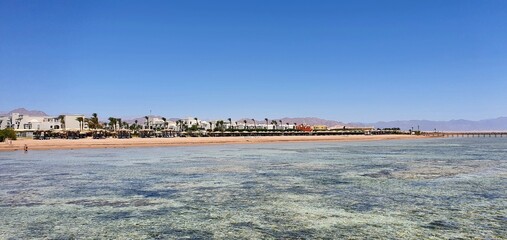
(465, 134)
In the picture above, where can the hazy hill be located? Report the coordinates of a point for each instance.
(314, 121)
(301, 120)
(497, 124)
(142, 120)
(28, 112)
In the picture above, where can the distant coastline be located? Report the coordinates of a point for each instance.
(62, 144)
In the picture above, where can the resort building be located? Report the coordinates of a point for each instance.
(154, 123)
(26, 125)
(188, 122)
(71, 123)
(319, 128)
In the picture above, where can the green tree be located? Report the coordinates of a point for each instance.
(147, 122)
(165, 122)
(220, 125)
(62, 121)
(274, 123)
(80, 120)
(196, 122)
(7, 133)
(179, 123)
(112, 122)
(95, 120)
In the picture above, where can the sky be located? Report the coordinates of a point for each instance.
(352, 61)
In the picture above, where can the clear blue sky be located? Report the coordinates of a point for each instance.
(344, 60)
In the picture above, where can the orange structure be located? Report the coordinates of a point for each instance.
(304, 128)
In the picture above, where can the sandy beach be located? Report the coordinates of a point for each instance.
(166, 142)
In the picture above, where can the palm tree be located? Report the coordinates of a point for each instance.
(147, 122)
(275, 123)
(220, 125)
(196, 122)
(211, 126)
(118, 120)
(230, 122)
(180, 123)
(165, 122)
(112, 122)
(217, 125)
(94, 121)
(266, 119)
(255, 125)
(89, 122)
(244, 127)
(80, 120)
(62, 121)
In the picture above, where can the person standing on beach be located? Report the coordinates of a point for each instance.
(26, 148)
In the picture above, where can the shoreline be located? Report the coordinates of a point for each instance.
(88, 143)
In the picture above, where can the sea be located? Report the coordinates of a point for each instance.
(440, 188)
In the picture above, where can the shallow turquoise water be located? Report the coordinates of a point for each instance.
(435, 188)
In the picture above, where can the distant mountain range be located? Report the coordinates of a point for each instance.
(142, 120)
(303, 120)
(28, 112)
(497, 124)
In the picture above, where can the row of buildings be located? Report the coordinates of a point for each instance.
(26, 125)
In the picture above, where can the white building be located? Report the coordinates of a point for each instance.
(25, 125)
(72, 123)
(159, 123)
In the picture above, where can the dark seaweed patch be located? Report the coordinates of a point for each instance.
(39, 229)
(267, 174)
(71, 237)
(249, 184)
(442, 225)
(115, 216)
(249, 225)
(501, 218)
(181, 233)
(296, 234)
(362, 207)
(380, 174)
(166, 193)
(90, 190)
(298, 190)
(160, 212)
(489, 196)
(331, 181)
